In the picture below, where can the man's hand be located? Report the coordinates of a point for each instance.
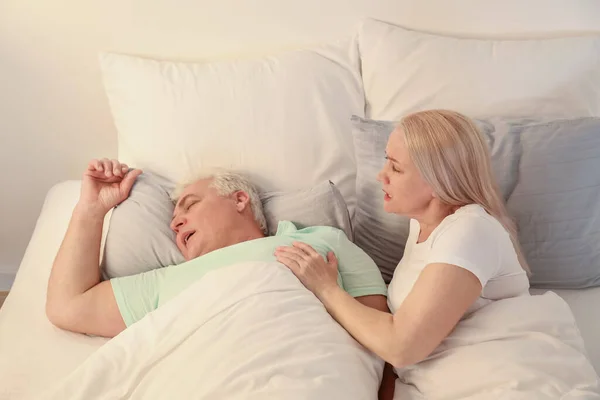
(77, 300)
(105, 184)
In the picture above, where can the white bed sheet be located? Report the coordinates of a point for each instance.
(584, 304)
(34, 355)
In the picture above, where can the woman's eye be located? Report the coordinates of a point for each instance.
(392, 164)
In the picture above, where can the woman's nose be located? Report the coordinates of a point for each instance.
(382, 177)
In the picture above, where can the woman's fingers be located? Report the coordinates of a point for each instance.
(309, 266)
(291, 253)
(288, 262)
(306, 249)
(331, 258)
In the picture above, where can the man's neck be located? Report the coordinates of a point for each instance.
(243, 235)
(238, 234)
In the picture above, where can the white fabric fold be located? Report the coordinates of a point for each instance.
(248, 331)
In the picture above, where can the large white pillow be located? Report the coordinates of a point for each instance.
(406, 71)
(282, 120)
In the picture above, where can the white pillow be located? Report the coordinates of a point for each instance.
(282, 120)
(405, 71)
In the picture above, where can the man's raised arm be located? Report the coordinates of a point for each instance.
(77, 301)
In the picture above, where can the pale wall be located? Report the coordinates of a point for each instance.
(53, 113)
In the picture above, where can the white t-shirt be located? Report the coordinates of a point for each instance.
(471, 239)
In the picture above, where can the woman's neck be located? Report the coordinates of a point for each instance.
(431, 217)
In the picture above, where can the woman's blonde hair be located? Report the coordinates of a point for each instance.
(454, 160)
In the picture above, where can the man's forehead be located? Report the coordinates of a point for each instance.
(196, 188)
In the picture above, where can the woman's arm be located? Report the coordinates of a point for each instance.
(438, 300)
(376, 302)
(388, 380)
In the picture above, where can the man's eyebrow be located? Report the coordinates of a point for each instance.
(181, 202)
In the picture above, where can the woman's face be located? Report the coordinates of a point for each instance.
(405, 191)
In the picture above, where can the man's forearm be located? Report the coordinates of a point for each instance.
(388, 383)
(76, 268)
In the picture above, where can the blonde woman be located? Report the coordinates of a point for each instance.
(462, 252)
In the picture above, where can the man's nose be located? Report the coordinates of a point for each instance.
(177, 223)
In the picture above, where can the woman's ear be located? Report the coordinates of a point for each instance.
(242, 200)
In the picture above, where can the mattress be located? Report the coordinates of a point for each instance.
(34, 354)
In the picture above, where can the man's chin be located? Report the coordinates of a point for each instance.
(191, 254)
(185, 254)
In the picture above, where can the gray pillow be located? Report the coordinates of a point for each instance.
(383, 236)
(139, 238)
(556, 202)
(322, 205)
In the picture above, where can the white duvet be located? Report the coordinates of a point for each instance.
(248, 331)
(252, 331)
(525, 348)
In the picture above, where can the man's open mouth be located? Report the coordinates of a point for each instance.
(187, 237)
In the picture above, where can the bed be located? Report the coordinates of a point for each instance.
(34, 355)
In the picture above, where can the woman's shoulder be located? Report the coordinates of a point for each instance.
(476, 241)
(471, 221)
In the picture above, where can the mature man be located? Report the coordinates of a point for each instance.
(218, 221)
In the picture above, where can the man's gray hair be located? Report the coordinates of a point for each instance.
(226, 183)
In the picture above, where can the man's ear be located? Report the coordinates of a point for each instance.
(242, 200)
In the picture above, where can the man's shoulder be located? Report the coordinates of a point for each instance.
(169, 270)
(288, 227)
(336, 238)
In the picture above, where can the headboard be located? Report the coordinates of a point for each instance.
(54, 115)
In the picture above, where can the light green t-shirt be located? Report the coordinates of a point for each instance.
(137, 295)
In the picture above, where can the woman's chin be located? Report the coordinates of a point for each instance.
(387, 207)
